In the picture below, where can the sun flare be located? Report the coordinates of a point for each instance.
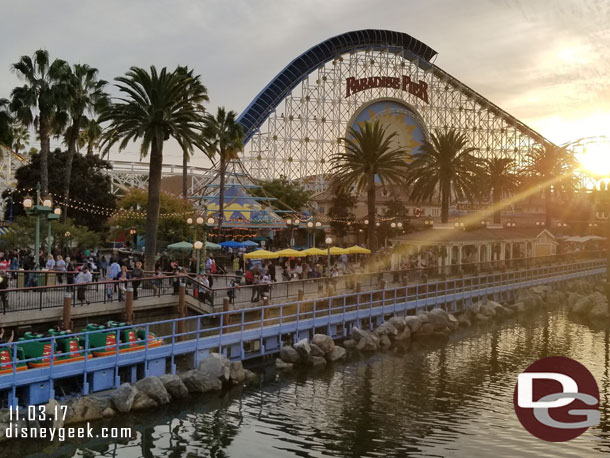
(594, 159)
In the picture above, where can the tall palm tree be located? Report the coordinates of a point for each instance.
(501, 180)
(36, 102)
(153, 107)
(445, 166)
(85, 95)
(21, 137)
(225, 137)
(199, 105)
(552, 168)
(90, 135)
(369, 157)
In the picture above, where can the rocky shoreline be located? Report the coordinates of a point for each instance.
(216, 372)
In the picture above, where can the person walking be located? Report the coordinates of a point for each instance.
(136, 274)
(60, 267)
(231, 293)
(103, 266)
(81, 280)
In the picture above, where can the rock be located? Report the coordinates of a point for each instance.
(358, 333)
(452, 321)
(438, 318)
(109, 412)
(349, 343)
(50, 408)
(426, 329)
(366, 344)
(216, 366)
(599, 312)
(237, 374)
(398, 322)
(423, 317)
(413, 323)
(473, 308)
(302, 346)
(486, 310)
(385, 342)
(520, 307)
(481, 318)
(85, 408)
(154, 389)
(317, 361)
(573, 298)
(174, 386)
(324, 342)
(289, 354)
(143, 401)
(315, 350)
(122, 398)
(386, 329)
(336, 354)
(250, 377)
(197, 382)
(556, 297)
(403, 335)
(283, 366)
(582, 305)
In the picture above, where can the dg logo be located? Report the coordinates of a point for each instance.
(556, 399)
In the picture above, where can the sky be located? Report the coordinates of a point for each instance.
(544, 61)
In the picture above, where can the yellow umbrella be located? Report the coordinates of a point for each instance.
(358, 250)
(260, 254)
(313, 252)
(289, 253)
(336, 250)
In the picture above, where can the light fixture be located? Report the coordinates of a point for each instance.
(318, 224)
(456, 224)
(377, 224)
(328, 240)
(67, 234)
(289, 221)
(297, 222)
(211, 221)
(558, 224)
(57, 211)
(538, 223)
(461, 224)
(393, 225)
(28, 202)
(198, 245)
(399, 224)
(482, 223)
(47, 202)
(200, 220)
(189, 221)
(310, 224)
(366, 221)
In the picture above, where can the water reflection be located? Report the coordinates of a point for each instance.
(450, 398)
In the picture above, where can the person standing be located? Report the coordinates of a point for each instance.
(115, 269)
(69, 271)
(3, 288)
(122, 282)
(60, 267)
(136, 274)
(81, 280)
(103, 266)
(50, 262)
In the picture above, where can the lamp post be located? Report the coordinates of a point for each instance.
(133, 233)
(328, 241)
(37, 210)
(51, 217)
(313, 226)
(292, 225)
(198, 245)
(67, 238)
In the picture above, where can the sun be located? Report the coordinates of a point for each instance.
(594, 159)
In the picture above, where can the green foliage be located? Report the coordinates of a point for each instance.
(171, 228)
(6, 132)
(89, 184)
(341, 213)
(500, 181)
(289, 195)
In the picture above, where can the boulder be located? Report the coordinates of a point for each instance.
(109, 412)
(216, 366)
(197, 382)
(336, 354)
(317, 361)
(599, 311)
(423, 317)
(302, 346)
(573, 298)
(385, 342)
(520, 307)
(324, 342)
(237, 374)
(452, 321)
(438, 318)
(556, 297)
(403, 335)
(50, 409)
(154, 389)
(315, 350)
(473, 308)
(398, 322)
(385, 329)
(85, 408)
(480, 318)
(174, 386)
(426, 329)
(250, 377)
(486, 310)
(349, 343)
(289, 355)
(358, 333)
(464, 320)
(122, 398)
(283, 366)
(366, 344)
(582, 305)
(413, 323)
(143, 401)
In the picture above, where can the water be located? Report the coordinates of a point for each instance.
(450, 399)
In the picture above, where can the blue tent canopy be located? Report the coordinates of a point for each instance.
(231, 244)
(249, 243)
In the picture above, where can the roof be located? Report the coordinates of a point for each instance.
(434, 236)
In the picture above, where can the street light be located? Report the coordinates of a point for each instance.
(328, 241)
(313, 226)
(67, 238)
(292, 225)
(33, 207)
(198, 245)
(133, 234)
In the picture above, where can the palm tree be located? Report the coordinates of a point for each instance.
(44, 93)
(21, 137)
(85, 95)
(501, 180)
(90, 135)
(198, 104)
(225, 137)
(153, 107)
(369, 157)
(552, 168)
(445, 166)
(6, 121)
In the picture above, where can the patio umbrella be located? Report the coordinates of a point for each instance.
(358, 250)
(313, 252)
(249, 243)
(336, 250)
(260, 254)
(290, 253)
(260, 238)
(231, 244)
(212, 246)
(180, 246)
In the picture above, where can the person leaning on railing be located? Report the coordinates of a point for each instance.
(81, 280)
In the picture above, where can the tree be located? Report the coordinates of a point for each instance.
(368, 157)
(340, 212)
(445, 166)
(85, 94)
(500, 181)
(172, 225)
(225, 138)
(288, 195)
(6, 120)
(552, 169)
(154, 107)
(40, 99)
(90, 183)
(203, 97)
(21, 137)
(90, 135)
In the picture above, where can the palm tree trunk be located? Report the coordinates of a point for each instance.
(547, 207)
(154, 202)
(184, 174)
(372, 214)
(74, 130)
(445, 194)
(45, 147)
(221, 196)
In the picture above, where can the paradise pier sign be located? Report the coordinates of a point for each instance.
(418, 89)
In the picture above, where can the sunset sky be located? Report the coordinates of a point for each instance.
(546, 62)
